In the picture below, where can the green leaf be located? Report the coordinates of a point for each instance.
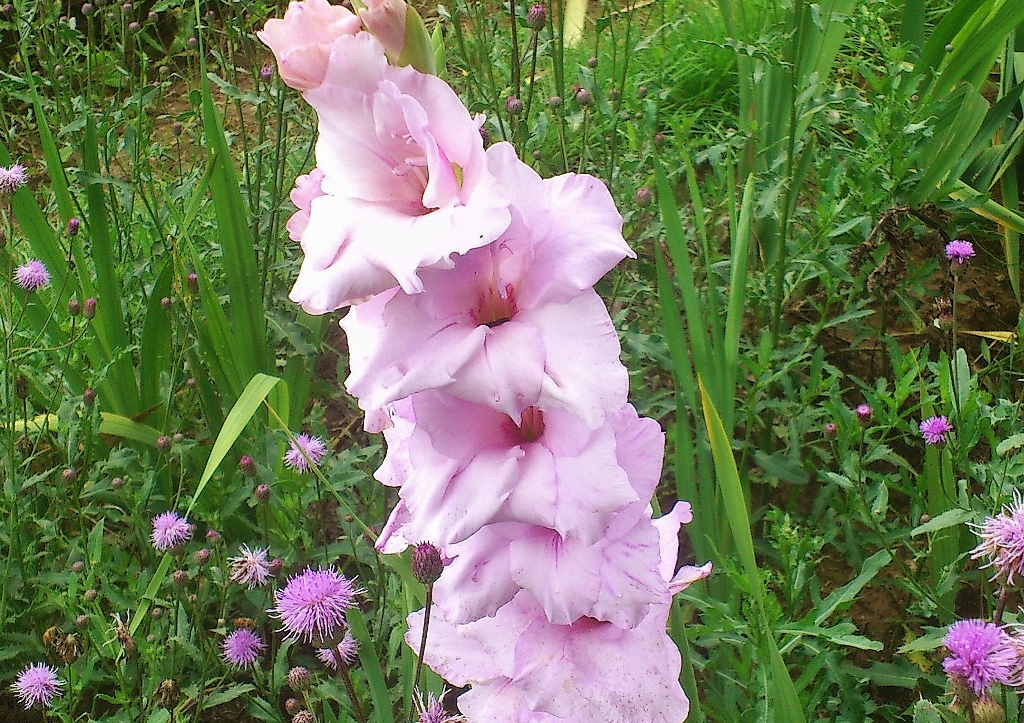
(239, 416)
(379, 692)
(225, 696)
(849, 591)
(950, 518)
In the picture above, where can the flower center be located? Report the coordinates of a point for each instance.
(496, 308)
(531, 428)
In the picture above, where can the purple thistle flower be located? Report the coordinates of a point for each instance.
(1002, 541)
(242, 648)
(314, 449)
(935, 429)
(348, 649)
(170, 531)
(312, 605)
(13, 178)
(251, 568)
(981, 654)
(32, 276)
(863, 412)
(959, 251)
(37, 684)
(432, 711)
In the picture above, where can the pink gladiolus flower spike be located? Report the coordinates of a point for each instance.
(513, 325)
(405, 180)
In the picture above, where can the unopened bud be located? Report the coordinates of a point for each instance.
(202, 556)
(163, 444)
(68, 476)
(73, 225)
(292, 706)
(591, 62)
(74, 307)
(584, 98)
(427, 564)
(642, 197)
(248, 465)
(555, 101)
(536, 16)
(89, 308)
(298, 679)
(165, 302)
(262, 493)
(513, 105)
(81, 621)
(180, 578)
(77, 566)
(90, 595)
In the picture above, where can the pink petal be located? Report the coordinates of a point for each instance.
(301, 41)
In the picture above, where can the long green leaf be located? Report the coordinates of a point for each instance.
(240, 415)
(382, 711)
(155, 349)
(784, 701)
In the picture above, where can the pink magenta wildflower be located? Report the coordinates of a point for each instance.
(170, 531)
(512, 325)
(1002, 541)
(958, 252)
(463, 465)
(314, 449)
(12, 178)
(348, 649)
(242, 648)
(251, 567)
(935, 429)
(406, 183)
(37, 685)
(432, 710)
(981, 654)
(301, 42)
(313, 604)
(32, 275)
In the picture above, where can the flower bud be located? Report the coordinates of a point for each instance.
(641, 92)
(68, 476)
(202, 556)
(513, 105)
(73, 225)
(116, 483)
(659, 139)
(536, 16)
(266, 73)
(88, 9)
(77, 566)
(275, 566)
(180, 578)
(165, 303)
(193, 283)
(89, 308)
(591, 62)
(176, 128)
(248, 465)
(90, 595)
(831, 430)
(555, 101)
(642, 198)
(292, 706)
(134, 26)
(262, 493)
(863, 412)
(427, 564)
(81, 621)
(213, 536)
(298, 679)
(156, 613)
(163, 444)
(192, 43)
(74, 308)
(584, 98)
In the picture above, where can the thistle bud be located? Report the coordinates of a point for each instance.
(427, 564)
(536, 16)
(202, 556)
(73, 225)
(513, 105)
(298, 679)
(262, 493)
(248, 465)
(163, 444)
(68, 476)
(584, 98)
(77, 566)
(642, 197)
(89, 308)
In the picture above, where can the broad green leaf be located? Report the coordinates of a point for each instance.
(950, 518)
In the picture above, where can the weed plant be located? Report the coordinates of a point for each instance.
(790, 175)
